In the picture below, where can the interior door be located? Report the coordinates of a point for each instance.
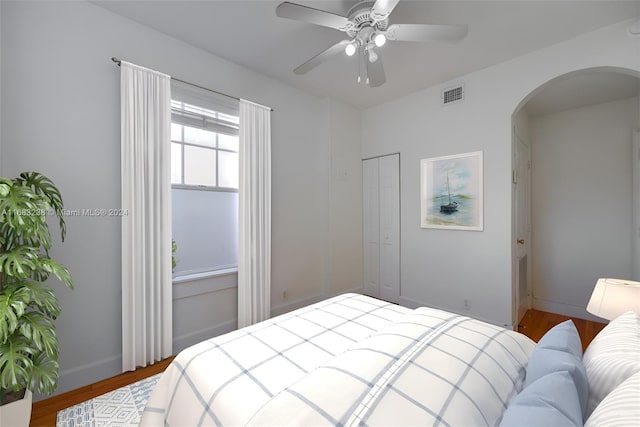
(522, 261)
(389, 178)
(371, 227)
(381, 227)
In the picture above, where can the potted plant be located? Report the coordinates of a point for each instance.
(28, 306)
(174, 248)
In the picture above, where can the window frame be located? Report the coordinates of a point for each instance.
(211, 123)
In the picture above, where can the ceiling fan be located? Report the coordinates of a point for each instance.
(367, 27)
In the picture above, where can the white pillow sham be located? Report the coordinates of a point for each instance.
(621, 407)
(612, 357)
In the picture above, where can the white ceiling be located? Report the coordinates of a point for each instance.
(250, 34)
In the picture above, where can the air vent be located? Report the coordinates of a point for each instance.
(453, 95)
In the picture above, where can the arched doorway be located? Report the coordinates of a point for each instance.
(573, 204)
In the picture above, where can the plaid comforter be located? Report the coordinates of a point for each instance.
(350, 360)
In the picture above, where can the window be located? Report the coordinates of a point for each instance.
(204, 148)
(204, 156)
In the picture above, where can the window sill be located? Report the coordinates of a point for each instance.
(204, 188)
(191, 285)
(204, 275)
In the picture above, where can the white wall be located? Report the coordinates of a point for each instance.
(1, 132)
(60, 103)
(581, 202)
(443, 268)
(345, 201)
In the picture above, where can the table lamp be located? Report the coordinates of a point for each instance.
(612, 297)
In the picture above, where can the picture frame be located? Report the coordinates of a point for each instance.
(451, 192)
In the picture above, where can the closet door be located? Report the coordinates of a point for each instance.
(371, 227)
(389, 183)
(381, 223)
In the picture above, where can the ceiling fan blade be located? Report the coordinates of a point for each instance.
(382, 8)
(426, 32)
(316, 60)
(311, 15)
(375, 72)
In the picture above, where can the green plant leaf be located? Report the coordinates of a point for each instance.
(4, 189)
(13, 303)
(40, 184)
(174, 248)
(28, 343)
(46, 265)
(19, 262)
(42, 297)
(23, 216)
(15, 363)
(39, 330)
(44, 374)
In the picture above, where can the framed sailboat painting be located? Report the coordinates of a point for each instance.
(451, 192)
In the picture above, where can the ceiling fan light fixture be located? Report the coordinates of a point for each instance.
(350, 49)
(380, 39)
(367, 29)
(373, 56)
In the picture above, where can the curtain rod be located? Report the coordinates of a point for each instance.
(117, 62)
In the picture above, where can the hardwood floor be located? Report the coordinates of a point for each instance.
(45, 411)
(534, 325)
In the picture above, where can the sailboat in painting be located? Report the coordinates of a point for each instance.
(450, 207)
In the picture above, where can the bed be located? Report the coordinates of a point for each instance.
(349, 360)
(355, 360)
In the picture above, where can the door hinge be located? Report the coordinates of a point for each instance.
(514, 176)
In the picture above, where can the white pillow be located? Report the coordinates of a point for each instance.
(621, 407)
(612, 357)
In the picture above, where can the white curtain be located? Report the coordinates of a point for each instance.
(254, 248)
(145, 98)
(635, 239)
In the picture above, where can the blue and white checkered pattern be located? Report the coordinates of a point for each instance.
(429, 368)
(225, 380)
(350, 360)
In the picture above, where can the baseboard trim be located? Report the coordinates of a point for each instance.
(303, 302)
(80, 376)
(566, 310)
(411, 303)
(356, 290)
(294, 305)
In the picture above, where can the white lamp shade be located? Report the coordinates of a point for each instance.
(612, 297)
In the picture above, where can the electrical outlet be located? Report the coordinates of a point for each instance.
(284, 295)
(467, 305)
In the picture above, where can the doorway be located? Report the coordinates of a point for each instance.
(578, 131)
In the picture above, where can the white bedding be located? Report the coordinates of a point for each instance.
(349, 360)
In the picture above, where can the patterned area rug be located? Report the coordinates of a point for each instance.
(122, 407)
